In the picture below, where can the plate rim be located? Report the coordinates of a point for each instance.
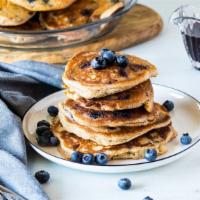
(116, 165)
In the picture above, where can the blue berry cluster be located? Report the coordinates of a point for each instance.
(89, 159)
(45, 136)
(107, 58)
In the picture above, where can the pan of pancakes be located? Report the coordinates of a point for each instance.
(56, 23)
(108, 107)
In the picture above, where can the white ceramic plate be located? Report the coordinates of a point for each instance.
(185, 117)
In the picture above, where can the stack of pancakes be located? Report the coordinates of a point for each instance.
(111, 110)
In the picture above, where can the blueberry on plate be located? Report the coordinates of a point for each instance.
(43, 141)
(42, 176)
(147, 198)
(42, 129)
(150, 155)
(43, 123)
(122, 61)
(169, 105)
(54, 141)
(186, 139)
(109, 56)
(101, 159)
(87, 159)
(124, 183)
(47, 133)
(53, 111)
(76, 156)
(99, 63)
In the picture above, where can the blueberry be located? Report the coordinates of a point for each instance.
(53, 111)
(42, 176)
(109, 56)
(124, 184)
(102, 51)
(99, 63)
(43, 123)
(47, 133)
(186, 139)
(150, 154)
(147, 198)
(101, 159)
(54, 141)
(122, 61)
(76, 156)
(169, 105)
(95, 115)
(122, 113)
(43, 141)
(42, 129)
(87, 159)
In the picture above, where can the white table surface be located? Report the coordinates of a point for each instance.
(177, 181)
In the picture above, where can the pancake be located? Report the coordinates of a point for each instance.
(106, 9)
(106, 139)
(90, 83)
(32, 25)
(135, 97)
(79, 13)
(13, 15)
(43, 5)
(134, 149)
(92, 118)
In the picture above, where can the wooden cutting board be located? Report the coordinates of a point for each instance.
(140, 24)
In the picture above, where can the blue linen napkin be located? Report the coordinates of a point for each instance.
(21, 84)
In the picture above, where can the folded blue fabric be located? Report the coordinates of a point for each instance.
(21, 84)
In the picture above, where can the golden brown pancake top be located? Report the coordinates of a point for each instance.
(79, 69)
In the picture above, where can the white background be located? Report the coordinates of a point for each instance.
(177, 181)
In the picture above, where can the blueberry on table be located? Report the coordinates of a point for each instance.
(124, 184)
(109, 56)
(43, 141)
(87, 159)
(101, 159)
(43, 123)
(42, 129)
(54, 141)
(147, 198)
(42, 176)
(53, 111)
(186, 139)
(122, 61)
(169, 105)
(99, 63)
(76, 156)
(150, 155)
